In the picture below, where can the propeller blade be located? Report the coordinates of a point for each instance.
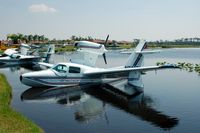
(104, 57)
(106, 40)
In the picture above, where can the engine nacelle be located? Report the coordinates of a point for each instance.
(90, 52)
(90, 47)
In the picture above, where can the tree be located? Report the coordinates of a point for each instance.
(26, 38)
(30, 38)
(35, 37)
(73, 37)
(13, 37)
(90, 38)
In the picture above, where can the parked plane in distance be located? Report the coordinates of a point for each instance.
(13, 57)
(83, 71)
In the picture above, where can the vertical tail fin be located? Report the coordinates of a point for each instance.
(136, 58)
(50, 50)
(24, 48)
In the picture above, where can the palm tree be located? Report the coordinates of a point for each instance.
(20, 37)
(41, 38)
(35, 38)
(26, 38)
(13, 37)
(30, 38)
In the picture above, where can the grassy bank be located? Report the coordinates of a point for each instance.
(10, 120)
(1, 52)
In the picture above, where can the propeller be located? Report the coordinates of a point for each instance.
(104, 55)
(106, 40)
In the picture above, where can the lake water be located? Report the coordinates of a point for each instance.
(169, 102)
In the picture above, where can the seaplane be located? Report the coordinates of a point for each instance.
(83, 71)
(23, 56)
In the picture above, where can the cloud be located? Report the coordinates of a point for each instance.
(37, 8)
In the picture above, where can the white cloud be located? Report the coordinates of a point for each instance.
(36, 8)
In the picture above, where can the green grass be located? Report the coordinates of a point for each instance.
(10, 120)
(64, 49)
(1, 52)
(126, 46)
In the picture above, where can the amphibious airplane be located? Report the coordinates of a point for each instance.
(83, 71)
(23, 56)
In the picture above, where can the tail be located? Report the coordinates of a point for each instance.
(24, 48)
(136, 58)
(50, 51)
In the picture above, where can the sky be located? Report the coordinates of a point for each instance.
(121, 19)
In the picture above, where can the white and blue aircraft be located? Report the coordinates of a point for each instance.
(23, 56)
(83, 71)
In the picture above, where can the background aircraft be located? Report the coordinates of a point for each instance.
(24, 56)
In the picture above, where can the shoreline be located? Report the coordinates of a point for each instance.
(12, 121)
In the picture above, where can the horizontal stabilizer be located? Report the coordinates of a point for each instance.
(148, 52)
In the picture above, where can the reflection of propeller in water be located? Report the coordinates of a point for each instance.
(104, 55)
(105, 114)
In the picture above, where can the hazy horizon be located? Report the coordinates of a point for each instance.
(122, 20)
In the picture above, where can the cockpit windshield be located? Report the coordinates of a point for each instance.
(14, 56)
(61, 68)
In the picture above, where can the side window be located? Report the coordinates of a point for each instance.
(74, 69)
(61, 68)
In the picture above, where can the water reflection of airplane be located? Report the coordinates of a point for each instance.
(91, 103)
(139, 105)
(87, 106)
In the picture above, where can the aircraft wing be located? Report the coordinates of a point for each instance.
(127, 70)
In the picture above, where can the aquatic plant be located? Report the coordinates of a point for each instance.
(190, 67)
